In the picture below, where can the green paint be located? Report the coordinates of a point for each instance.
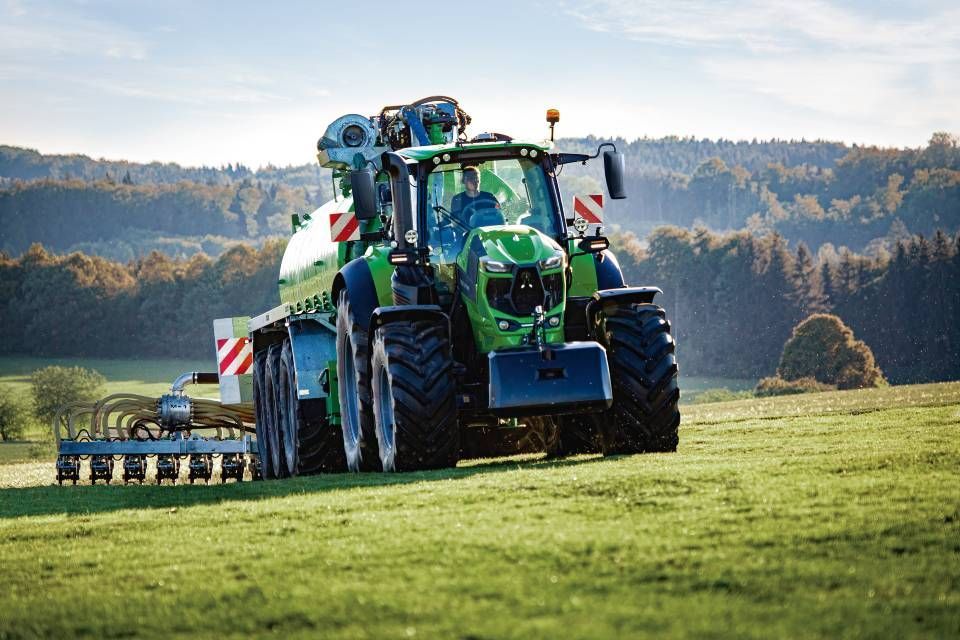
(240, 326)
(429, 151)
(381, 271)
(511, 244)
(584, 269)
(333, 396)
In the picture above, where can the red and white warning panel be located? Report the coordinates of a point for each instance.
(344, 227)
(234, 359)
(234, 356)
(590, 208)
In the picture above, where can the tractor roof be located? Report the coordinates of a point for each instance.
(429, 151)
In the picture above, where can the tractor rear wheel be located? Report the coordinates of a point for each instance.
(574, 434)
(643, 371)
(353, 375)
(414, 396)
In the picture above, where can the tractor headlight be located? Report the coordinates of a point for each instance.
(494, 266)
(552, 262)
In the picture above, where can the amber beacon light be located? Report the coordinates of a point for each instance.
(553, 117)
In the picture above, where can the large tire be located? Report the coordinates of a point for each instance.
(320, 444)
(287, 401)
(643, 370)
(574, 434)
(276, 467)
(260, 406)
(414, 396)
(353, 375)
(310, 444)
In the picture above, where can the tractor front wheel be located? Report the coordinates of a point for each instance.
(414, 396)
(643, 369)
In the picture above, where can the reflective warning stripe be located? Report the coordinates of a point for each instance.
(234, 356)
(590, 208)
(344, 227)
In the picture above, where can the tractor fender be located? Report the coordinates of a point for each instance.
(609, 274)
(406, 313)
(356, 278)
(622, 296)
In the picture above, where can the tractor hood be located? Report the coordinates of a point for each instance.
(511, 244)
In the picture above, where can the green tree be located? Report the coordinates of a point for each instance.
(54, 386)
(15, 415)
(823, 347)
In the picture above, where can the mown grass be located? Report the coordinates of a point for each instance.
(828, 515)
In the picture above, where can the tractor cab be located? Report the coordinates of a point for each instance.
(505, 188)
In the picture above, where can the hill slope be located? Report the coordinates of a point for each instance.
(827, 515)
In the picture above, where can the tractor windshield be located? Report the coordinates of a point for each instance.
(462, 197)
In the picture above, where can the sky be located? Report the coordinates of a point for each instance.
(212, 83)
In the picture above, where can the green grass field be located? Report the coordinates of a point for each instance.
(824, 515)
(147, 377)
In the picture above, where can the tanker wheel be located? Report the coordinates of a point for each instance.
(260, 405)
(353, 375)
(643, 371)
(574, 434)
(310, 445)
(414, 396)
(273, 424)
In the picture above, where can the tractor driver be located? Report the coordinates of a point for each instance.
(472, 201)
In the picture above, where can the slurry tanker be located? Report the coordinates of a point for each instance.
(448, 303)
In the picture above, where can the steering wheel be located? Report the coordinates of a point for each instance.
(486, 217)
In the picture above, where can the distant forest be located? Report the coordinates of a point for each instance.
(745, 239)
(821, 193)
(732, 298)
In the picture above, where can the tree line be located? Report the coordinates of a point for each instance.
(126, 221)
(866, 200)
(157, 306)
(861, 197)
(18, 163)
(732, 298)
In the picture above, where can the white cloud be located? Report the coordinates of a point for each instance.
(813, 55)
(41, 33)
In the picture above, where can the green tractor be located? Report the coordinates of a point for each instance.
(446, 305)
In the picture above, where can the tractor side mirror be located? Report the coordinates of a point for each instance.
(364, 190)
(613, 169)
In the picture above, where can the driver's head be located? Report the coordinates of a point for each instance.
(471, 179)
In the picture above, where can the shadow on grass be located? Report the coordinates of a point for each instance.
(50, 500)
